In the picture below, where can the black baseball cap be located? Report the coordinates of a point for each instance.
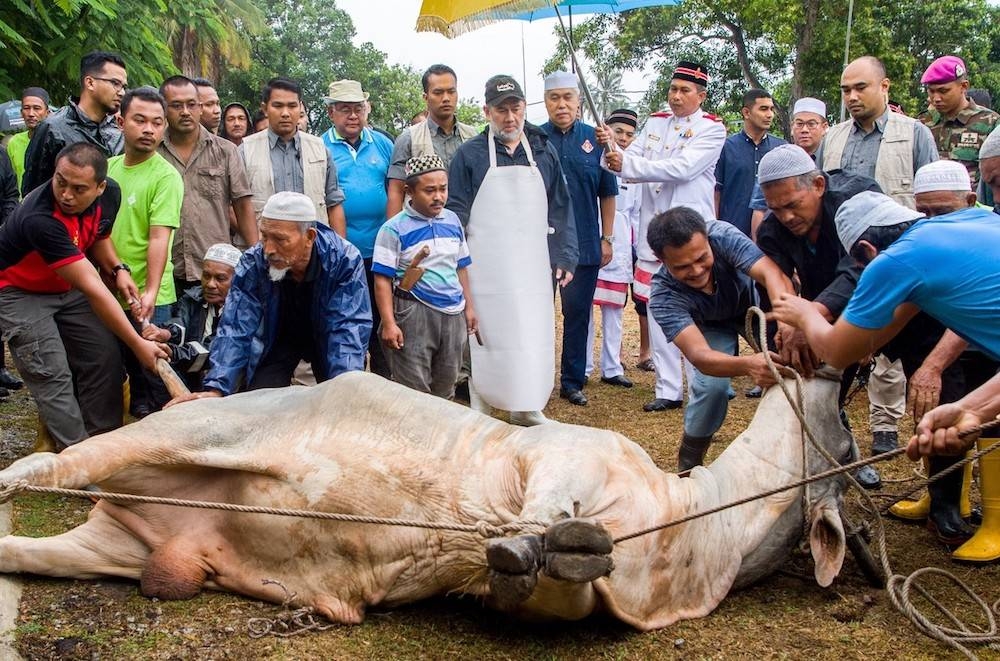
(501, 87)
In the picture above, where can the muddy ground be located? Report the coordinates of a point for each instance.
(786, 616)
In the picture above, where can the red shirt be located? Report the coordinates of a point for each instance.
(39, 238)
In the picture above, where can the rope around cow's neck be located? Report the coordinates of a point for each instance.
(897, 586)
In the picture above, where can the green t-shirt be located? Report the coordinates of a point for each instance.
(152, 193)
(17, 147)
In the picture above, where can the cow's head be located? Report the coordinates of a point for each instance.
(826, 531)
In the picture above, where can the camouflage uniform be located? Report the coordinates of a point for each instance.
(959, 139)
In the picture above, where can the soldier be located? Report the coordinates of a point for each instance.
(958, 124)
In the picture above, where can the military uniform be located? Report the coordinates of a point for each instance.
(673, 160)
(959, 139)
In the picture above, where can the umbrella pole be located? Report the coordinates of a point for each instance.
(576, 66)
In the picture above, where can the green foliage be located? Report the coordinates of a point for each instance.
(777, 45)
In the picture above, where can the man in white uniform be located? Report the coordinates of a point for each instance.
(673, 160)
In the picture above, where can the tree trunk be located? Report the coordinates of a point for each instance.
(807, 34)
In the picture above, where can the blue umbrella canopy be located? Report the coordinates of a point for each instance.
(578, 7)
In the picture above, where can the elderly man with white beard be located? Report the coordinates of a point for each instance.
(507, 187)
(299, 294)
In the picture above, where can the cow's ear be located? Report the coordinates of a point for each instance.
(827, 543)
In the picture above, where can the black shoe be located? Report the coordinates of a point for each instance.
(868, 477)
(140, 411)
(884, 441)
(4, 393)
(619, 380)
(692, 452)
(574, 396)
(659, 404)
(754, 393)
(9, 381)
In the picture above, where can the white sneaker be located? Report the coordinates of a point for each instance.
(528, 418)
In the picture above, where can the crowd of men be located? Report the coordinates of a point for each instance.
(252, 254)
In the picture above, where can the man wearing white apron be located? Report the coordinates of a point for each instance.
(674, 157)
(508, 188)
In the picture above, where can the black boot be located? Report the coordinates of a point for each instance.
(945, 518)
(692, 452)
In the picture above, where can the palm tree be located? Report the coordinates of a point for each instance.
(607, 90)
(208, 35)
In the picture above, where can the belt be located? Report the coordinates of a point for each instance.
(403, 294)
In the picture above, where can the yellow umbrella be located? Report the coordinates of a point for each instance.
(454, 17)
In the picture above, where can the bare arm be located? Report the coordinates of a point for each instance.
(607, 228)
(695, 348)
(790, 341)
(156, 262)
(938, 431)
(392, 335)
(335, 217)
(246, 221)
(471, 320)
(925, 385)
(395, 193)
(82, 276)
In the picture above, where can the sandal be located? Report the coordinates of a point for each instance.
(646, 365)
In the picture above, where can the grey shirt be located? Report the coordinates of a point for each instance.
(286, 168)
(861, 149)
(445, 145)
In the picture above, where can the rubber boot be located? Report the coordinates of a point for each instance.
(944, 518)
(477, 403)
(916, 510)
(692, 452)
(985, 544)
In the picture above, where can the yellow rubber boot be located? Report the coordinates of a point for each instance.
(985, 544)
(915, 510)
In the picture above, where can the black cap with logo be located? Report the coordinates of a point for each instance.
(499, 88)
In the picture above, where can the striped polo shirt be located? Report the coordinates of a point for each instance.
(404, 235)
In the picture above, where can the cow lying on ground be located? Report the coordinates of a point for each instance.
(360, 444)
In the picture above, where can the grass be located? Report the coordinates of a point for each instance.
(786, 616)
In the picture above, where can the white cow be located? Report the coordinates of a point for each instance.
(360, 444)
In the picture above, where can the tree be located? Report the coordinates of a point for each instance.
(207, 36)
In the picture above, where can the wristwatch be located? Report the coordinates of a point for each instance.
(608, 238)
(120, 267)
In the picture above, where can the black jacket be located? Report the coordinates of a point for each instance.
(186, 328)
(66, 126)
(826, 272)
(8, 188)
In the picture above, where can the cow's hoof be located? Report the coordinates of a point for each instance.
(577, 567)
(578, 536)
(515, 555)
(510, 590)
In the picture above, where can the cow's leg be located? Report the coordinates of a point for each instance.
(99, 547)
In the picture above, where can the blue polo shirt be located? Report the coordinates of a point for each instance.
(580, 156)
(736, 174)
(362, 173)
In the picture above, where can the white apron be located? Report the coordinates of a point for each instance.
(511, 283)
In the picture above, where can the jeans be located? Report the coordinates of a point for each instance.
(708, 396)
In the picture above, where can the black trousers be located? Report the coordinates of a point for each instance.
(376, 359)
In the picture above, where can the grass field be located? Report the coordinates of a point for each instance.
(786, 616)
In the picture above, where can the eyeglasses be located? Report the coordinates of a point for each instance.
(350, 110)
(812, 124)
(117, 84)
(178, 105)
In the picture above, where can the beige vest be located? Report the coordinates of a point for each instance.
(894, 166)
(257, 156)
(420, 137)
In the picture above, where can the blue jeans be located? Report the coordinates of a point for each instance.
(708, 396)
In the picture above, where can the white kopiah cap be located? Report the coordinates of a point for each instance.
(869, 209)
(991, 145)
(784, 161)
(559, 80)
(942, 175)
(809, 104)
(224, 254)
(287, 205)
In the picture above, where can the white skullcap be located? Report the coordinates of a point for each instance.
(224, 254)
(942, 175)
(784, 161)
(869, 209)
(287, 205)
(991, 145)
(559, 80)
(809, 104)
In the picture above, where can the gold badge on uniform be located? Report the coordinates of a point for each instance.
(653, 137)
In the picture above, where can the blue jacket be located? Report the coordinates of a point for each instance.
(341, 312)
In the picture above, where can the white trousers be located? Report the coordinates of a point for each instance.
(611, 342)
(667, 361)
